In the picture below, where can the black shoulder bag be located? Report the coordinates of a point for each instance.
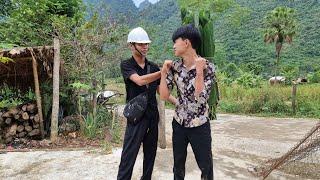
(135, 108)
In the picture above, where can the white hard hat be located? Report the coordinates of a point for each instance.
(138, 35)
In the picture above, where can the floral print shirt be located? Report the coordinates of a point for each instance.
(190, 111)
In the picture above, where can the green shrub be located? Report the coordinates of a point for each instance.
(232, 71)
(30, 95)
(308, 98)
(223, 78)
(229, 107)
(308, 109)
(249, 80)
(314, 77)
(104, 117)
(10, 103)
(254, 104)
(276, 105)
(253, 68)
(10, 97)
(90, 129)
(95, 128)
(291, 72)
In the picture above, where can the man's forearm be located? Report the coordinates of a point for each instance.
(163, 88)
(199, 84)
(151, 77)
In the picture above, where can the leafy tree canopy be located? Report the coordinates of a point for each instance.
(31, 23)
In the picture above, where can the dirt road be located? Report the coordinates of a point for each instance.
(238, 142)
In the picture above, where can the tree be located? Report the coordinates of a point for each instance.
(92, 50)
(280, 28)
(31, 23)
(5, 7)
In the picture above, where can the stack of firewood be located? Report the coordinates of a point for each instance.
(19, 122)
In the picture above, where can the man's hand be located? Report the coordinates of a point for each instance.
(200, 64)
(166, 66)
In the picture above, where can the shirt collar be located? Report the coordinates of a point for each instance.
(137, 65)
(181, 66)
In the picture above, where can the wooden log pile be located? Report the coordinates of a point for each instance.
(19, 122)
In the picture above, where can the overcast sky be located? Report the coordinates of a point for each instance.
(137, 2)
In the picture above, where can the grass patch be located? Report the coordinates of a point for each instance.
(270, 100)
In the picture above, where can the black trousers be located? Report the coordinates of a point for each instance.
(200, 140)
(145, 132)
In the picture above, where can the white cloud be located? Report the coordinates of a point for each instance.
(153, 1)
(137, 2)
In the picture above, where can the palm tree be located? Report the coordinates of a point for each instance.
(280, 27)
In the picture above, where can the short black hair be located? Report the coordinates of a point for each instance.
(189, 32)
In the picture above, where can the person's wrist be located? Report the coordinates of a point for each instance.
(199, 71)
(163, 72)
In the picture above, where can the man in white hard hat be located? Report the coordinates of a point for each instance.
(134, 72)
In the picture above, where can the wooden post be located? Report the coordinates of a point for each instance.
(37, 91)
(294, 97)
(55, 96)
(94, 100)
(114, 111)
(162, 124)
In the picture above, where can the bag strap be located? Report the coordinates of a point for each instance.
(148, 71)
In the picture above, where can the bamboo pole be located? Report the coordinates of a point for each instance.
(162, 124)
(55, 96)
(37, 91)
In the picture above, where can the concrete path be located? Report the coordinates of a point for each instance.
(238, 142)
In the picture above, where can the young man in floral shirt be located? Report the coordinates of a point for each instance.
(193, 76)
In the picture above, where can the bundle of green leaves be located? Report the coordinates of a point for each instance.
(11, 97)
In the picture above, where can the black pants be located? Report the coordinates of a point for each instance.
(145, 132)
(200, 140)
